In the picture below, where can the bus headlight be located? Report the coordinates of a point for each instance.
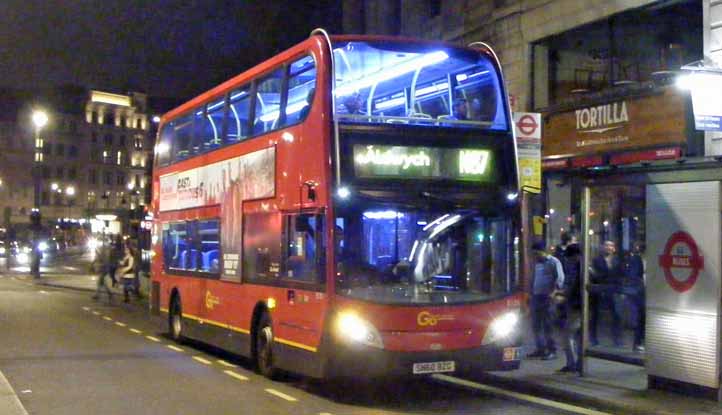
(501, 328)
(43, 246)
(352, 328)
(2, 250)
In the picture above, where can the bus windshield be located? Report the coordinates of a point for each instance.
(388, 82)
(406, 255)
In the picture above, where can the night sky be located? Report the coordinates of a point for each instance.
(168, 48)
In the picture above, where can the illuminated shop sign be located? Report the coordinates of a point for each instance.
(422, 162)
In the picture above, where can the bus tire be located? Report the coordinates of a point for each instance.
(175, 320)
(264, 347)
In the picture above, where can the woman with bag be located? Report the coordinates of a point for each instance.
(126, 270)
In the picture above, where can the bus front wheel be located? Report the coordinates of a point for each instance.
(175, 321)
(264, 347)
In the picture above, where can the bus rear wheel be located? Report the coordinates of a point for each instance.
(175, 321)
(264, 348)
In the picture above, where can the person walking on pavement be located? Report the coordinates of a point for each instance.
(606, 284)
(126, 271)
(548, 277)
(570, 303)
(104, 256)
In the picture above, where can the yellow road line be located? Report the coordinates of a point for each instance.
(519, 396)
(176, 348)
(281, 395)
(151, 338)
(202, 360)
(136, 331)
(234, 375)
(226, 364)
(118, 323)
(107, 318)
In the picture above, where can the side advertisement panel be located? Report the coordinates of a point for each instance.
(227, 183)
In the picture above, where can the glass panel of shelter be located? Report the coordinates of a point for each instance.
(616, 235)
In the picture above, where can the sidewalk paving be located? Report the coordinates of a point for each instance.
(608, 386)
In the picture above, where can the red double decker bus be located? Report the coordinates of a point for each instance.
(346, 208)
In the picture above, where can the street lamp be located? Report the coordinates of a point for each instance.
(40, 120)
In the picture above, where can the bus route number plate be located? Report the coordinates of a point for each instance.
(434, 367)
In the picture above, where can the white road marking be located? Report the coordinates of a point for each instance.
(151, 338)
(9, 399)
(118, 323)
(86, 308)
(176, 348)
(107, 318)
(202, 360)
(136, 331)
(224, 363)
(281, 395)
(519, 396)
(96, 313)
(234, 375)
(43, 292)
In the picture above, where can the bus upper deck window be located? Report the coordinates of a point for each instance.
(210, 127)
(268, 103)
(239, 108)
(183, 137)
(301, 89)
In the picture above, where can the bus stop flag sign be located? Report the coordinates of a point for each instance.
(527, 127)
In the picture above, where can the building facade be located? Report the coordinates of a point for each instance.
(93, 156)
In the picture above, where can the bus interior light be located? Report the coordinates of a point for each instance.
(387, 73)
(351, 327)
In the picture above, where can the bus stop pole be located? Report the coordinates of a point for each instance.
(585, 278)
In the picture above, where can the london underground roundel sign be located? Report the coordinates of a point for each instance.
(681, 261)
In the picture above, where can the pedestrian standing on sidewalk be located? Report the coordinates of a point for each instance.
(634, 287)
(606, 279)
(548, 277)
(126, 270)
(570, 304)
(103, 256)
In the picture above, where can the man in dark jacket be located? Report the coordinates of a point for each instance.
(570, 307)
(548, 277)
(634, 287)
(607, 282)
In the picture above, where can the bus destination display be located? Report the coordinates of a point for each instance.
(406, 162)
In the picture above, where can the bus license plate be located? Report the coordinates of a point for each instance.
(512, 353)
(434, 367)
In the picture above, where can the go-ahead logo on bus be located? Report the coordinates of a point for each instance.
(425, 318)
(681, 261)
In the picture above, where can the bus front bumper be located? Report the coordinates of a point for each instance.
(353, 360)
